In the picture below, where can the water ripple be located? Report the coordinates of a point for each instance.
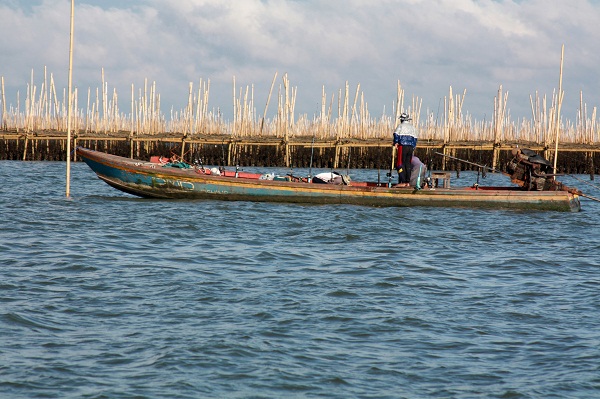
(107, 296)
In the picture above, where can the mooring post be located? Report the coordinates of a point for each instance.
(495, 155)
(229, 149)
(74, 146)
(131, 145)
(25, 147)
(337, 155)
(183, 145)
(445, 152)
(287, 154)
(592, 171)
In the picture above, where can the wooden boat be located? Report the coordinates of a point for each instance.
(153, 180)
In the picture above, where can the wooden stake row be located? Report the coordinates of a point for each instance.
(45, 110)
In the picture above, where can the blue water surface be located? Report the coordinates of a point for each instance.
(104, 295)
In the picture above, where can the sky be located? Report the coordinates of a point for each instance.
(426, 45)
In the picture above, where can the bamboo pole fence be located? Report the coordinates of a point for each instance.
(43, 114)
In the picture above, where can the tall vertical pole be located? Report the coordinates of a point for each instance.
(559, 105)
(69, 102)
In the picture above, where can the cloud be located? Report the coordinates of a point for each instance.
(426, 45)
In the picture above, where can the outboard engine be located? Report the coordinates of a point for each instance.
(531, 171)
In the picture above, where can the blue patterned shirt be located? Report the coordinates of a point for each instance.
(405, 134)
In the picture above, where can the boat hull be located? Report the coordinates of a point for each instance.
(150, 180)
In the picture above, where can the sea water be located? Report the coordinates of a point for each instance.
(104, 295)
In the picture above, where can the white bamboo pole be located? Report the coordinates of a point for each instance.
(115, 113)
(97, 113)
(286, 85)
(582, 118)
(198, 108)
(75, 118)
(68, 189)
(153, 109)
(593, 132)
(235, 116)
(245, 111)
(132, 110)
(29, 105)
(145, 107)
(44, 100)
(323, 107)
(87, 114)
(4, 125)
(17, 123)
(190, 109)
(560, 97)
(262, 122)
(206, 97)
(103, 102)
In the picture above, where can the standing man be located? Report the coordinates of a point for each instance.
(405, 140)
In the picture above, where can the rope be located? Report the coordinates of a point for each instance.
(590, 197)
(597, 187)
